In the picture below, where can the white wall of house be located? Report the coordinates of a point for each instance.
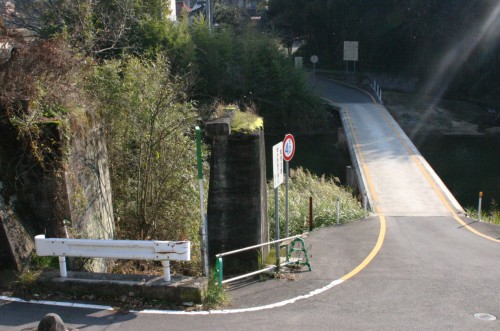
(173, 11)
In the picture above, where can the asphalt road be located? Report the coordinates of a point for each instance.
(428, 268)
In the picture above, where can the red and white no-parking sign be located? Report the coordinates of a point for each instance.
(288, 147)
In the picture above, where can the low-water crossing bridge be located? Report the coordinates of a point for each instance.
(391, 172)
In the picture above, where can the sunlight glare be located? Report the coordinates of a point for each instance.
(486, 35)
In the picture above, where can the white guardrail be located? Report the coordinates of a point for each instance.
(163, 251)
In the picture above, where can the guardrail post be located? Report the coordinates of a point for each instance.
(166, 270)
(62, 266)
(479, 206)
(310, 213)
(365, 204)
(338, 210)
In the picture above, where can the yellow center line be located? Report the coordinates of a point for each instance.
(432, 182)
(374, 252)
(371, 188)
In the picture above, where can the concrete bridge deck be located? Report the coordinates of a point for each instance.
(390, 170)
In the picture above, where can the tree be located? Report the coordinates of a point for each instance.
(150, 128)
(229, 15)
(99, 28)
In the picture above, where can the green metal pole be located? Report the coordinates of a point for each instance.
(218, 270)
(204, 227)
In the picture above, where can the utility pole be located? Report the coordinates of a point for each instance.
(209, 14)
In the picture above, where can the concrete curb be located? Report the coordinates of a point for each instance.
(179, 290)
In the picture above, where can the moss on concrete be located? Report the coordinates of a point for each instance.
(246, 122)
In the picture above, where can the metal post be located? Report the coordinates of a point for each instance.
(277, 221)
(338, 210)
(479, 207)
(166, 270)
(310, 213)
(314, 78)
(204, 224)
(218, 269)
(209, 14)
(62, 266)
(287, 231)
(365, 203)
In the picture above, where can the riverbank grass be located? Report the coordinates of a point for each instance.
(490, 216)
(324, 192)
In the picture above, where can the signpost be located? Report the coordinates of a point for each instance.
(277, 181)
(298, 62)
(288, 152)
(204, 225)
(314, 60)
(351, 50)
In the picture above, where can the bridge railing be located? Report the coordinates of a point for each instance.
(378, 90)
(163, 251)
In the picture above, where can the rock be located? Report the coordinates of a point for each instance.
(51, 322)
(14, 237)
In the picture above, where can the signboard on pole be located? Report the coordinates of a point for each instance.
(351, 50)
(298, 62)
(288, 147)
(278, 164)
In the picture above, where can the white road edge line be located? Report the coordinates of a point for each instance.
(178, 312)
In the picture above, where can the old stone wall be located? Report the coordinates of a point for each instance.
(38, 201)
(88, 184)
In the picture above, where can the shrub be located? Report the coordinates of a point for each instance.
(324, 191)
(150, 127)
(490, 216)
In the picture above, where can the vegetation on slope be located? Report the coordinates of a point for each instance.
(324, 191)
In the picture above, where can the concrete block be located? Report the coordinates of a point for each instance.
(178, 290)
(218, 127)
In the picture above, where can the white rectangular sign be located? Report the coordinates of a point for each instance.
(351, 50)
(278, 177)
(298, 62)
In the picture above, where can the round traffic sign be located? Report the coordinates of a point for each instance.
(288, 147)
(314, 59)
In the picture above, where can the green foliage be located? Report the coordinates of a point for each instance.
(28, 281)
(152, 150)
(324, 191)
(251, 69)
(44, 262)
(230, 16)
(491, 216)
(215, 296)
(246, 122)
